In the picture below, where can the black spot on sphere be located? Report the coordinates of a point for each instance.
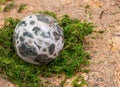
(44, 49)
(42, 58)
(59, 30)
(36, 30)
(22, 52)
(51, 49)
(56, 35)
(28, 34)
(30, 16)
(37, 45)
(32, 22)
(43, 18)
(17, 41)
(27, 50)
(33, 51)
(22, 23)
(55, 54)
(22, 38)
(23, 46)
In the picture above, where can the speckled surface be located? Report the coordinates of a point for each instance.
(38, 39)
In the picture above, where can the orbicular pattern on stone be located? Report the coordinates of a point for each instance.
(38, 39)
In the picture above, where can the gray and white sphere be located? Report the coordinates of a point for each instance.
(38, 38)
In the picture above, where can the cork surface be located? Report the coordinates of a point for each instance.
(104, 47)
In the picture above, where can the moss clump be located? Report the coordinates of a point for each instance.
(8, 7)
(4, 1)
(21, 8)
(72, 58)
(80, 82)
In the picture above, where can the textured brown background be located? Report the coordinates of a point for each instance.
(104, 48)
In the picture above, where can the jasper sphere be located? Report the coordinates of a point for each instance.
(38, 38)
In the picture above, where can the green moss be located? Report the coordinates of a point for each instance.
(8, 7)
(21, 8)
(79, 82)
(3, 1)
(0, 9)
(71, 59)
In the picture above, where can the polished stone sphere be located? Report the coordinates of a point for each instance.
(38, 39)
